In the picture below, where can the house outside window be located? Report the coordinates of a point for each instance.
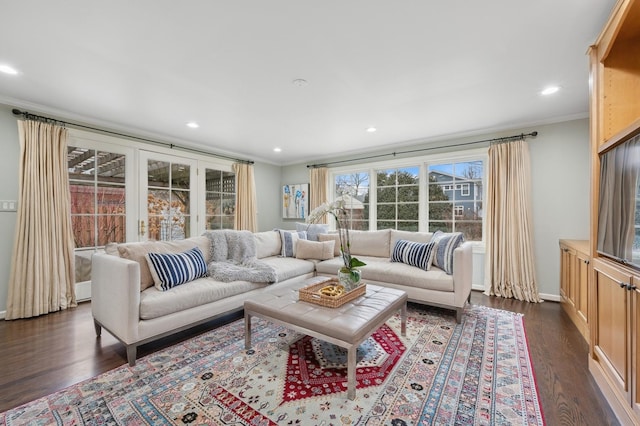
(455, 198)
(440, 192)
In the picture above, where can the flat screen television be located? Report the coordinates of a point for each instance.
(619, 201)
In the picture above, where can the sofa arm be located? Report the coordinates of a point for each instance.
(115, 295)
(462, 272)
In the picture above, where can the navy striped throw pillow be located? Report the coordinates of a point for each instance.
(174, 269)
(415, 254)
(446, 244)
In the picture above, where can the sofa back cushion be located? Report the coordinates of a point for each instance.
(370, 243)
(268, 244)
(138, 251)
(331, 237)
(417, 237)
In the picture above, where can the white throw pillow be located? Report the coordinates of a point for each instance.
(314, 249)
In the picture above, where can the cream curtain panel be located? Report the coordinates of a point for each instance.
(246, 205)
(42, 270)
(510, 261)
(318, 176)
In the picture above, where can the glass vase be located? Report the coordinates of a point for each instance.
(350, 279)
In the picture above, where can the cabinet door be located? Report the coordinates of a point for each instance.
(635, 363)
(582, 285)
(612, 337)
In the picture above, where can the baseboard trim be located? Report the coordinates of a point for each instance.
(3, 314)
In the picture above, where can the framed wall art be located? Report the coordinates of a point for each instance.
(295, 201)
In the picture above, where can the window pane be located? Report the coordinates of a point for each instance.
(111, 167)
(180, 201)
(386, 177)
(82, 197)
(180, 176)
(386, 195)
(408, 193)
(386, 211)
(441, 173)
(228, 205)
(158, 174)
(382, 224)
(472, 230)
(468, 170)
(360, 225)
(440, 226)
(213, 180)
(408, 212)
(81, 163)
(408, 226)
(440, 211)
(111, 229)
(110, 199)
(83, 231)
(439, 192)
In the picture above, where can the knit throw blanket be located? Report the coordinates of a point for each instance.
(233, 255)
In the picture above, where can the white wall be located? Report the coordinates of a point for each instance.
(9, 164)
(560, 192)
(560, 195)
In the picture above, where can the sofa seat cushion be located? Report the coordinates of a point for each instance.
(155, 303)
(289, 267)
(382, 270)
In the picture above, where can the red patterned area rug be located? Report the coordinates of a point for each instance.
(440, 373)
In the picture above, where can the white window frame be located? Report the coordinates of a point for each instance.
(475, 154)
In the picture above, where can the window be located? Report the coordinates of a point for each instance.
(97, 186)
(220, 192)
(353, 188)
(397, 198)
(168, 200)
(459, 208)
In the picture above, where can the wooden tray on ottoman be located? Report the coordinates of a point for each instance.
(312, 294)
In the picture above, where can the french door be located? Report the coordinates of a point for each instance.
(168, 201)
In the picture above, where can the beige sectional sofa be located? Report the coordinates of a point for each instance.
(126, 303)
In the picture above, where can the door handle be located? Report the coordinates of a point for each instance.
(142, 228)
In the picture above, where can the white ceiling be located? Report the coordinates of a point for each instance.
(416, 70)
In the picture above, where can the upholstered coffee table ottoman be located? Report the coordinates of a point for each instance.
(346, 326)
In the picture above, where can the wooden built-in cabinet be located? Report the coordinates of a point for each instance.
(614, 296)
(574, 282)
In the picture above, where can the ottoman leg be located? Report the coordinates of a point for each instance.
(247, 330)
(351, 372)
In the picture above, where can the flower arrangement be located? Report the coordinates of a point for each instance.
(339, 212)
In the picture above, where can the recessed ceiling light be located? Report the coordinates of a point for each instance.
(300, 82)
(8, 70)
(277, 149)
(550, 90)
(371, 129)
(193, 125)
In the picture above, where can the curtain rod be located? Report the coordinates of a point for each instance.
(503, 139)
(29, 116)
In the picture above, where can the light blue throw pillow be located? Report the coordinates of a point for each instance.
(289, 240)
(171, 270)
(312, 229)
(446, 243)
(415, 254)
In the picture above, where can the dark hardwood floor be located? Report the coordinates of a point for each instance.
(42, 355)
